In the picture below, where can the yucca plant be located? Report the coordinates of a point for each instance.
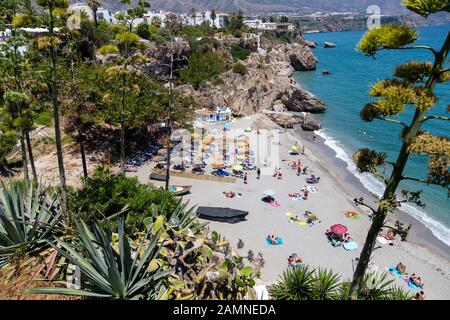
(326, 286)
(29, 220)
(322, 284)
(294, 284)
(111, 273)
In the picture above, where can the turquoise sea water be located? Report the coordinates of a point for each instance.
(345, 92)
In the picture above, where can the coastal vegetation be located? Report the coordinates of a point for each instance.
(105, 86)
(412, 86)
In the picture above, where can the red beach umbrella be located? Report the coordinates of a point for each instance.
(338, 229)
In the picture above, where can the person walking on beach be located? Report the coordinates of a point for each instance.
(304, 169)
(299, 170)
(280, 174)
(303, 149)
(258, 173)
(245, 178)
(314, 138)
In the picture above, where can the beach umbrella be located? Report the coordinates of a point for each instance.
(241, 157)
(242, 144)
(243, 150)
(237, 167)
(295, 148)
(217, 163)
(269, 193)
(159, 159)
(218, 157)
(338, 228)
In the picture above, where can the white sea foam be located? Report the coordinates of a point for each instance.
(376, 186)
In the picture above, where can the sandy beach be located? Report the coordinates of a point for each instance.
(336, 191)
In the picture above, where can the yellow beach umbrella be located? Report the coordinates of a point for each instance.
(237, 167)
(295, 148)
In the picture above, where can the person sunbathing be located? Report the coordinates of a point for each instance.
(295, 219)
(346, 237)
(418, 282)
(419, 296)
(291, 261)
(401, 268)
(298, 260)
(412, 277)
(273, 239)
(295, 195)
(229, 194)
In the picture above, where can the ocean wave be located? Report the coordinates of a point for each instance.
(376, 186)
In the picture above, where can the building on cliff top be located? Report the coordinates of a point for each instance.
(220, 114)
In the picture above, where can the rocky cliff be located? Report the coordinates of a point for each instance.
(267, 85)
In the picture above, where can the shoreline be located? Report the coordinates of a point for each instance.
(419, 234)
(329, 203)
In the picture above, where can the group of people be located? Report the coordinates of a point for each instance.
(273, 239)
(278, 173)
(294, 260)
(413, 278)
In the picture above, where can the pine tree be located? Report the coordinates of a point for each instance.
(412, 86)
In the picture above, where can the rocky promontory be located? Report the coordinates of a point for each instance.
(266, 85)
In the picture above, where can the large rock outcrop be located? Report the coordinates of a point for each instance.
(266, 84)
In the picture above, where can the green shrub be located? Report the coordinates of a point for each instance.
(44, 118)
(105, 194)
(239, 68)
(239, 53)
(203, 66)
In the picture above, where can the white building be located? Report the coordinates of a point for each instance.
(259, 24)
(105, 15)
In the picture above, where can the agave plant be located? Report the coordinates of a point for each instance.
(29, 219)
(181, 217)
(110, 273)
(294, 284)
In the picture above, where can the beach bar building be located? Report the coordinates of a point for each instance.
(220, 114)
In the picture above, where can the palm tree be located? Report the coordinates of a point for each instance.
(194, 15)
(213, 17)
(94, 5)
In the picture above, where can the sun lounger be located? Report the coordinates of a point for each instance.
(352, 245)
(279, 243)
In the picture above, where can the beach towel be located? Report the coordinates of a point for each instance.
(413, 286)
(297, 265)
(298, 199)
(275, 204)
(350, 245)
(280, 242)
(383, 240)
(395, 272)
(312, 189)
(300, 223)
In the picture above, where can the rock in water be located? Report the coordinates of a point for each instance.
(310, 123)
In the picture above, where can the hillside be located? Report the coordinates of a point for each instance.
(252, 6)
